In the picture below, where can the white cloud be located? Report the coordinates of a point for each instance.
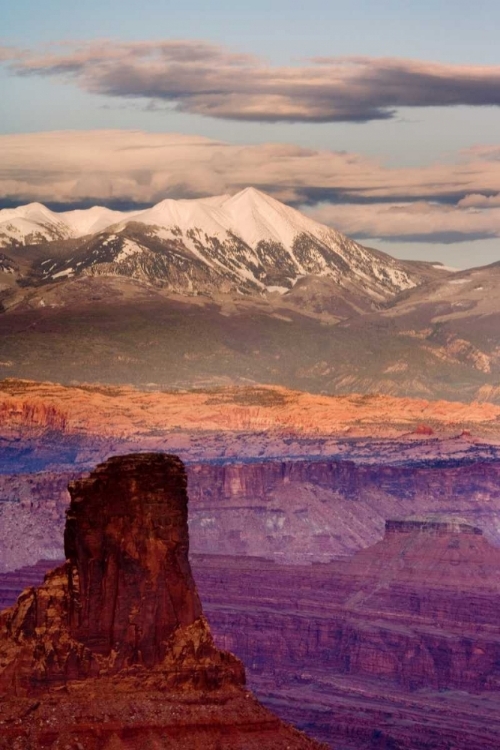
(420, 221)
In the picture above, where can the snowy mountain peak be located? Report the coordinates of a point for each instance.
(259, 217)
(28, 209)
(248, 242)
(251, 214)
(33, 224)
(30, 212)
(86, 221)
(251, 195)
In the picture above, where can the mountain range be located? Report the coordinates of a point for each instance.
(248, 243)
(237, 290)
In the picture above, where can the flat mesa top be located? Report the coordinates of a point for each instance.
(432, 523)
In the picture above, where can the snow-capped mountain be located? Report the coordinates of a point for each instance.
(31, 224)
(246, 243)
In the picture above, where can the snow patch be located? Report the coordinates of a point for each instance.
(66, 272)
(279, 289)
(440, 267)
(127, 250)
(233, 226)
(91, 220)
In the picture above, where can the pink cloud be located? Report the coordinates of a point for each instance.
(359, 196)
(210, 80)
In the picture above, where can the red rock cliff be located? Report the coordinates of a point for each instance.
(113, 645)
(396, 647)
(127, 538)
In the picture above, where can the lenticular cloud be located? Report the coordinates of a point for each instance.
(210, 80)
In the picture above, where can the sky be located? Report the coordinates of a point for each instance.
(381, 119)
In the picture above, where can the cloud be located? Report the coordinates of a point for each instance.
(476, 200)
(210, 80)
(413, 222)
(441, 202)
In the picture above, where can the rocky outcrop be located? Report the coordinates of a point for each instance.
(400, 644)
(396, 647)
(121, 412)
(126, 541)
(112, 650)
(291, 511)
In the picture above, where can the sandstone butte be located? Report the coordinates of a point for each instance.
(122, 411)
(112, 651)
(395, 648)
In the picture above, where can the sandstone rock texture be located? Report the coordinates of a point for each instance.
(272, 472)
(293, 511)
(396, 647)
(112, 651)
(264, 447)
(121, 411)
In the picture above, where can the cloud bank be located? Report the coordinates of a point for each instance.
(442, 202)
(207, 79)
(421, 221)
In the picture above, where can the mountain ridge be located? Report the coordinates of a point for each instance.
(155, 298)
(248, 243)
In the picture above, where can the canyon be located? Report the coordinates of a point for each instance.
(397, 646)
(289, 510)
(286, 475)
(112, 649)
(346, 549)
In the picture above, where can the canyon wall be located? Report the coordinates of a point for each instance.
(292, 511)
(112, 650)
(122, 411)
(396, 647)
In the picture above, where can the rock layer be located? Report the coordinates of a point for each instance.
(119, 411)
(291, 511)
(127, 538)
(112, 651)
(397, 647)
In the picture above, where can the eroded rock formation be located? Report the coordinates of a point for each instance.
(30, 407)
(126, 541)
(396, 647)
(113, 651)
(292, 511)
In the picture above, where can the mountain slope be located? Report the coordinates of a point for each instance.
(116, 330)
(32, 224)
(235, 290)
(455, 322)
(247, 243)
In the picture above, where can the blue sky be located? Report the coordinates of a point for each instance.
(452, 31)
(280, 34)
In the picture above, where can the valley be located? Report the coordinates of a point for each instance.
(395, 647)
